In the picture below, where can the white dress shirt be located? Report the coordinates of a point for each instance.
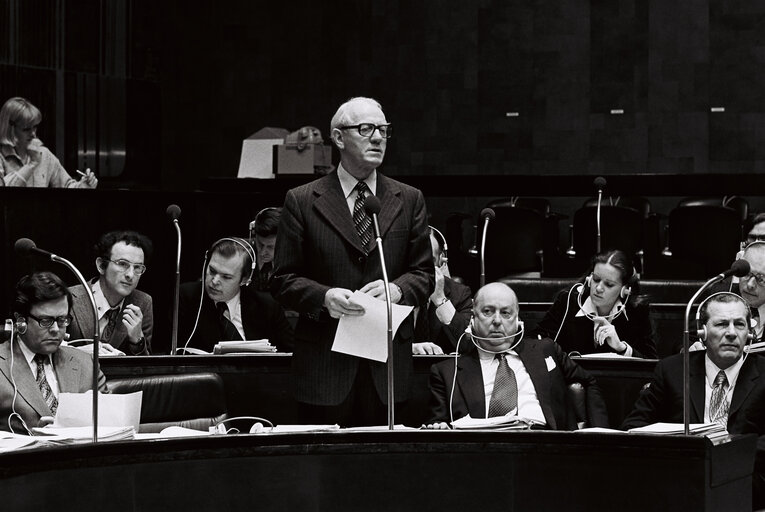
(528, 403)
(588, 309)
(711, 369)
(348, 183)
(234, 313)
(50, 373)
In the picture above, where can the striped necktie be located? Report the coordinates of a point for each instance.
(361, 218)
(718, 406)
(42, 383)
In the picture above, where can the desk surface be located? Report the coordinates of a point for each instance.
(409, 470)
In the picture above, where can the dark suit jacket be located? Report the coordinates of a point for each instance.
(446, 336)
(318, 249)
(551, 386)
(82, 325)
(74, 371)
(577, 332)
(262, 317)
(663, 400)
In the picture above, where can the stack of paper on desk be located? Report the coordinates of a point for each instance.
(703, 429)
(247, 346)
(494, 423)
(10, 441)
(73, 435)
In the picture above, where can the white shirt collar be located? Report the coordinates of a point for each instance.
(348, 182)
(28, 354)
(233, 303)
(731, 373)
(101, 303)
(588, 309)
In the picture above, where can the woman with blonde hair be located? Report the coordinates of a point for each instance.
(24, 161)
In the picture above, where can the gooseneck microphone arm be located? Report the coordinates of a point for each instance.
(27, 247)
(487, 214)
(372, 206)
(173, 211)
(740, 268)
(600, 183)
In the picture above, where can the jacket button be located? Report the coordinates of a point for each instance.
(361, 259)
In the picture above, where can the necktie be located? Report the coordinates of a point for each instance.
(361, 218)
(265, 276)
(718, 406)
(111, 323)
(42, 383)
(229, 329)
(504, 398)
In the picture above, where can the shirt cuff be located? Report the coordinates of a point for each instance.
(628, 352)
(445, 312)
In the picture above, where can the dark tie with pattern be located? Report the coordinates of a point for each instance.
(264, 278)
(718, 406)
(42, 383)
(361, 218)
(504, 398)
(111, 323)
(230, 333)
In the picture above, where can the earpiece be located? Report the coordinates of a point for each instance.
(625, 292)
(242, 243)
(701, 330)
(21, 324)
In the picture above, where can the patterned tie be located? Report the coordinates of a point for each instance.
(111, 323)
(264, 278)
(504, 398)
(361, 218)
(718, 406)
(42, 383)
(230, 332)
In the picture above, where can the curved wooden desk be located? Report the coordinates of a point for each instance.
(403, 470)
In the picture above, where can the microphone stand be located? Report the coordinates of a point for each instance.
(96, 335)
(483, 250)
(600, 198)
(176, 293)
(391, 394)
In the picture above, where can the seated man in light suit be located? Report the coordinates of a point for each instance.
(443, 319)
(34, 367)
(125, 314)
(725, 386)
(533, 373)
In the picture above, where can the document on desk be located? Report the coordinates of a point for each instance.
(367, 335)
(76, 410)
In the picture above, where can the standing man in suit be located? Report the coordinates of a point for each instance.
(509, 374)
(326, 249)
(443, 319)
(125, 314)
(228, 309)
(34, 367)
(726, 386)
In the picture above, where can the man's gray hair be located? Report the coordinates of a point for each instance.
(341, 117)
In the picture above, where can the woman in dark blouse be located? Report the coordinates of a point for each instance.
(602, 314)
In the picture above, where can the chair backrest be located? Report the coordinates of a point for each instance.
(620, 228)
(704, 239)
(513, 242)
(641, 204)
(540, 204)
(737, 203)
(191, 400)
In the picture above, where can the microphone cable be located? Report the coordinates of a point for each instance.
(15, 414)
(199, 309)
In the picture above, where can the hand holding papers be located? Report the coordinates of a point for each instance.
(366, 335)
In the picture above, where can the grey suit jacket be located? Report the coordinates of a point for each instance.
(318, 249)
(82, 325)
(74, 371)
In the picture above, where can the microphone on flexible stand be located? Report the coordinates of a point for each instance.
(740, 268)
(600, 184)
(26, 247)
(487, 214)
(174, 211)
(372, 206)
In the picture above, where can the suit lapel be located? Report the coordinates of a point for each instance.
(745, 382)
(83, 313)
(537, 369)
(331, 204)
(389, 195)
(23, 378)
(697, 376)
(470, 381)
(67, 372)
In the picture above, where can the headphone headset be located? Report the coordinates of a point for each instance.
(701, 330)
(445, 246)
(20, 324)
(624, 293)
(244, 244)
(257, 216)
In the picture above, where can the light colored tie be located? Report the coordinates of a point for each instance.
(718, 406)
(42, 383)
(504, 397)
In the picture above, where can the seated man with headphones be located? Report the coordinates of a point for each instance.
(727, 385)
(602, 314)
(507, 374)
(223, 308)
(34, 367)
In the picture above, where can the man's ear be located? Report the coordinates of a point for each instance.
(101, 265)
(337, 138)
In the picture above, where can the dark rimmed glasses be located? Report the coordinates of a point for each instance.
(367, 129)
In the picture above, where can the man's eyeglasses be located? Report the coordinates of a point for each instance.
(47, 321)
(367, 129)
(750, 239)
(757, 277)
(125, 265)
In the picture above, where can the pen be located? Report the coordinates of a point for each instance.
(81, 173)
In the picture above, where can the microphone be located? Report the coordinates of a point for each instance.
(26, 247)
(173, 212)
(487, 214)
(372, 207)
(739, 268)
(600, 184)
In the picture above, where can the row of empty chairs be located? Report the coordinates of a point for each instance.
(699, 238)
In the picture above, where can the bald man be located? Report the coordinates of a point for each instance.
(539, 372)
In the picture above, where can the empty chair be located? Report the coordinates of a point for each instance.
(621, 228)
(540, 204)
(641, 204)
(737, 203)
(514, 242)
